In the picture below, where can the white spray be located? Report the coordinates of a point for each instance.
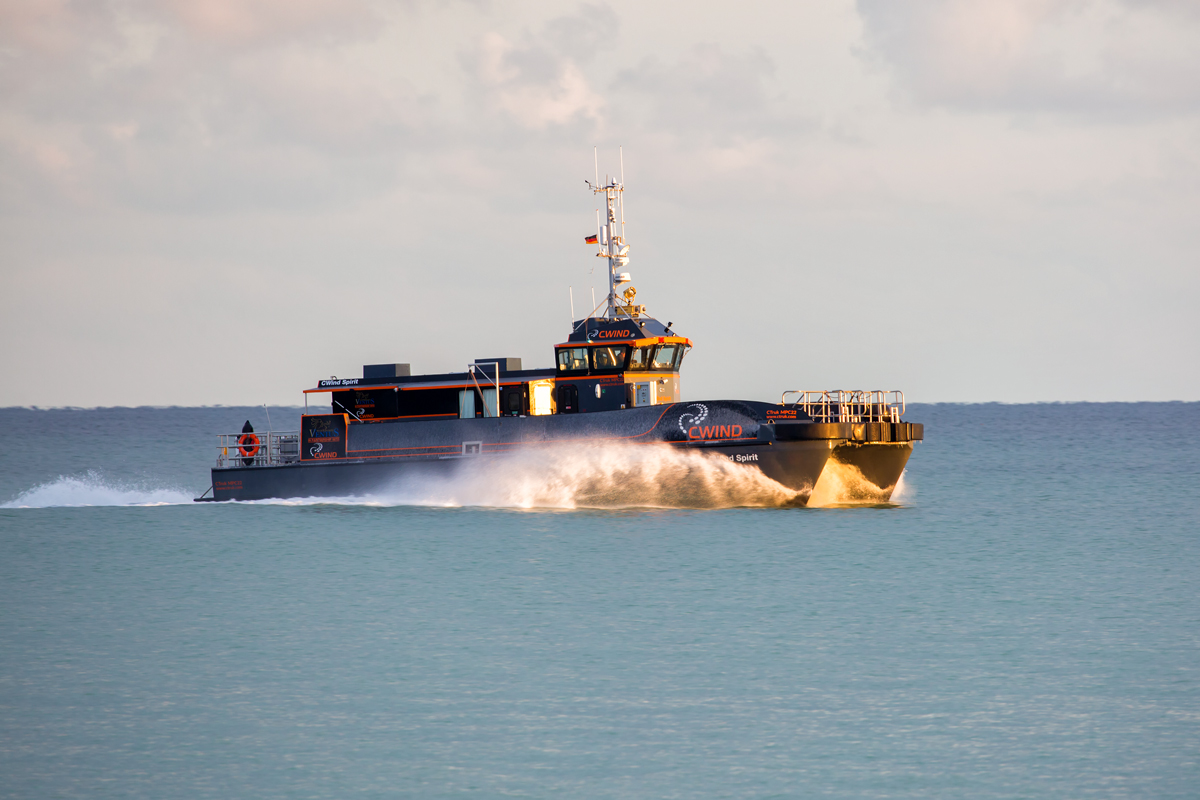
(844, 484)
(598, 476)
(93, 489)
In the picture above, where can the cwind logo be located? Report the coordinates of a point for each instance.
(690, 419)
(596, 333)
(689, 423)
(714, 432)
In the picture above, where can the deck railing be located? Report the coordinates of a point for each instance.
(274, 447)
(848, 405)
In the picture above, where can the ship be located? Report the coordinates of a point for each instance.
(615, 380)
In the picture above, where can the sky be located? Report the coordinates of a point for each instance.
(222, 202)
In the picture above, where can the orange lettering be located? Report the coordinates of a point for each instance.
(714, 432)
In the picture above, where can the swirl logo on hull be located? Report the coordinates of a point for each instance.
(691, 418)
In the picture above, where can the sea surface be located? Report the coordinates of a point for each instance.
(1022, 622)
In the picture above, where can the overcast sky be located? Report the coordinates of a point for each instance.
(220, 201)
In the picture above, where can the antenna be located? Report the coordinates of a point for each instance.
(269, 428)
(621, 153)
(571, 289)
(611, 238)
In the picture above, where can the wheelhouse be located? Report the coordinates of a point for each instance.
(611, 375)
(648, 355)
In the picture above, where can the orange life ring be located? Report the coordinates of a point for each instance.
(248, 445)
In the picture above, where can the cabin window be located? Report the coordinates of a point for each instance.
(572, 359)
(491, 404)
(366, 403)
(609, 358)
(373, 403)
(664, 357)
(679, 354)
(428, 402)
(541, 397)
(343, 402)
(640, 359)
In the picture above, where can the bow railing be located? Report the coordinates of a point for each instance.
(848, 405)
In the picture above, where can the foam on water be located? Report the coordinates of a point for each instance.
(94, 490)
(586, 476)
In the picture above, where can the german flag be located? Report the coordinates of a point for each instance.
(592, 239)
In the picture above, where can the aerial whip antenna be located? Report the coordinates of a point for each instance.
(611, 240)
(621, 153)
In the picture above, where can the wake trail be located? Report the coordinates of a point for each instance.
(93, 489)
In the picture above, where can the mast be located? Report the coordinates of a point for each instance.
(611, 242)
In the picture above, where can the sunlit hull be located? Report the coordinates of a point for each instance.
(700, 454)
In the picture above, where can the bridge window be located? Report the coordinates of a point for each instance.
(572, 359)
(640, 359)
(664, 357)
(610, 358)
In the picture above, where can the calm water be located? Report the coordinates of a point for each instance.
(1025, 623)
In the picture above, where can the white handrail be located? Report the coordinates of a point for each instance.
(274, 448)
(848, 405)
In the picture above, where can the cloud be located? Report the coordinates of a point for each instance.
(706, 90)
(253, 22)
(198, 106)
(1092, 57)
(583, 35)
(539, 82)
(532, 85)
